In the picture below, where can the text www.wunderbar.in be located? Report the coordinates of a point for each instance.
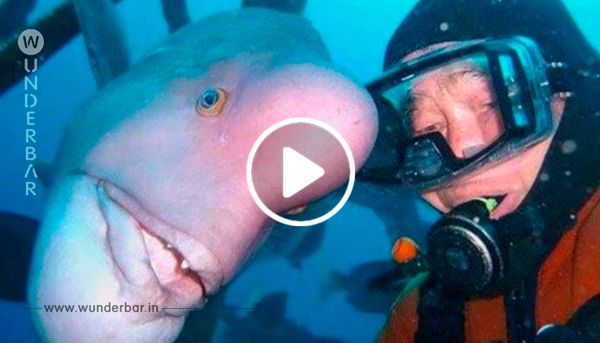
(101, 308)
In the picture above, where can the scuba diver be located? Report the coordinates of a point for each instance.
(495, 109)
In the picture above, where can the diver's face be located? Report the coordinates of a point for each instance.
(459, 102)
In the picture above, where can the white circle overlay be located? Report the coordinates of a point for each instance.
(274, 215)
(25, 38)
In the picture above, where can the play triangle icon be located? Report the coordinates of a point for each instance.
(298, 172)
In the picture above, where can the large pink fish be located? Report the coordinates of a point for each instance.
(150, 203)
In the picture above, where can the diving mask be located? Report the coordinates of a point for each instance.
(463, 108)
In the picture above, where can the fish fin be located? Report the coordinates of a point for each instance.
(289, 6)
(104, 38)
(175, 13)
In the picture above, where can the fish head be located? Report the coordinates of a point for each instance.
(182, 159)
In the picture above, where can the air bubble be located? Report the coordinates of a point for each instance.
(444, 26)
(544, 177)
(568, 147)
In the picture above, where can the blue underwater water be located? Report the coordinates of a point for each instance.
(356, 33)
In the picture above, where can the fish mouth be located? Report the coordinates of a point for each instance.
(155, 244)
(186, 271)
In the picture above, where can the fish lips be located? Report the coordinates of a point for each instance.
(146, 250)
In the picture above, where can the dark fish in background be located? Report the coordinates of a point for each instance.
(371, 287)
(294, 244)
(396, 207)
(269, 312)
(310, 243)
(13, 17)
(267, 323)
(16, 247)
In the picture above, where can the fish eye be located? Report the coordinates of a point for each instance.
(211, 102)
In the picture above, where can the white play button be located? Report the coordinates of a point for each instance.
(298, 172)
(295, 163)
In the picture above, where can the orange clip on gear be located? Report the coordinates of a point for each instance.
(404, 250)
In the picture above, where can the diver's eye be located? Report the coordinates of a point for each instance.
(211, 103)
